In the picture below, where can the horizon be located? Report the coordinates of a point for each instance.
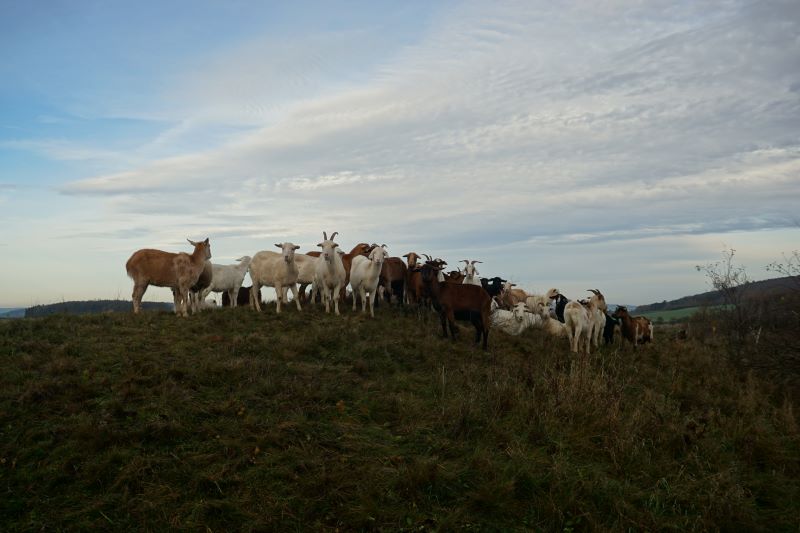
(615, 145)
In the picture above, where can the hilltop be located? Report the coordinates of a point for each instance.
(766, 288)
(236, 420)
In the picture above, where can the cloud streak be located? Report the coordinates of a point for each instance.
(515, 124)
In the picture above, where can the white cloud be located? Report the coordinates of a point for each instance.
(503, 125)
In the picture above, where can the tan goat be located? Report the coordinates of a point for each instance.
(178, 271)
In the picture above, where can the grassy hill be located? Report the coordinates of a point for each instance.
(234, 420)
(755, 289)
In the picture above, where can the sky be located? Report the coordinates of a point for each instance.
(611, 144)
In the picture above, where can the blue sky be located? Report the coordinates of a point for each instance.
(610, 145)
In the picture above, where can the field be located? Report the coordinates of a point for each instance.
(233, 420)
(673, 315)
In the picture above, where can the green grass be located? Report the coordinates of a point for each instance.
(233, 420)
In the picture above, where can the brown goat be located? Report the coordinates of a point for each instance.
(455, 276)
(393, 278)
(178, 271)
(455, 300)
(635, 329)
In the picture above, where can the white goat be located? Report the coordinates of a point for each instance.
(228, 278)
(272, 269)
(471, 273)
(364, 275)
(549, 324)
(597, 311)
(330, 275)
(579, 324)
(515, 321)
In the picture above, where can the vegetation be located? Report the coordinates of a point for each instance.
(675, 315)
(93, 306)
(233, 420)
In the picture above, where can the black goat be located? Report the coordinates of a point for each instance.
(493, 285)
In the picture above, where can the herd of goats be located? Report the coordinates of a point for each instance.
(458, 294)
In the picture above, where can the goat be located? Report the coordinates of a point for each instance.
(393, 278)
(179, 271)
(196, 297)
(597, 312)
(608, 328)
(515, 321)
(509, 296)
(272, 269)
(454, 276)
(242, 298)
(579, 324)
(228, 279)
(493, 286)
(414, 279)
(634, 329)
(329, 274)
(467, 302)
(471, 273)
(561, 303)
(364, 277)
(533, 301)
(549, 324)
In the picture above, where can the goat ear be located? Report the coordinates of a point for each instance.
(278, 245)
(405, 255)
(477, 262)
(192, 242)
(383, 246)
(335, 245)
(320, 244)
(295, 247)
(206, 241)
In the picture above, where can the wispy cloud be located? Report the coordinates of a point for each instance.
(497, 126)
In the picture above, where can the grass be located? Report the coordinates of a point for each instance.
(233, 420)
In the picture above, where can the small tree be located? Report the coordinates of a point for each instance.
(789, 267)
(730, 280)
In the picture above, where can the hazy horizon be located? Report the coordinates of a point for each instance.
(576, 145)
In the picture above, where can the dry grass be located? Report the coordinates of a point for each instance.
(234, 420)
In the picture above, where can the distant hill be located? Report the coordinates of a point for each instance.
(11, 312)
(767, 287)
(93, 306)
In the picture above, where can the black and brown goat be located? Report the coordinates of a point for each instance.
(452, 300)
(635, 329)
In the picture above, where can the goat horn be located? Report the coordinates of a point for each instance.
(465, 261)
(477, 262)
(334, 234)
(428, 257)
(324, 235)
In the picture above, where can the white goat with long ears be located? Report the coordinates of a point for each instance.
(272, 269)
(228, 278)
(364, 275)
(597, 311)
(178, 271)
(548, 323)
(329, 275)
(515, 321)
(471, 273)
